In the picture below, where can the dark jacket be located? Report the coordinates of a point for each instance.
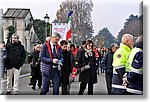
(135, 80)
(66, 69)
(46, 61)
(89, 75)
(78, 52)
(72, 60)
(15, 55)
(3, 59)
(4, 55)
(36, 59)
(106, 63)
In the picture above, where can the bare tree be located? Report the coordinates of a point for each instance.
(81, 19)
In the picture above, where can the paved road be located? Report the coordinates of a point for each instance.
(25, 89)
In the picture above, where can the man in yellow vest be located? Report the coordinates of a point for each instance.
(120, 66)
(134, 79)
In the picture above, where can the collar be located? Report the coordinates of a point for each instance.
(125, 47)
(51, 43)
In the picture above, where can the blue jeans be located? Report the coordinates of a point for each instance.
(55, 76)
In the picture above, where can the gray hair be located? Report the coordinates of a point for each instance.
(55, 34)
(113, 45)
(126, 37)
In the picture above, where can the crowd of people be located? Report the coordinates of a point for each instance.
(54, 63)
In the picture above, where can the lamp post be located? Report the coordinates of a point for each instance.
(46, 21)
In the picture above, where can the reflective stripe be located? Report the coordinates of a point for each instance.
(118, 86)
(30, 77)
(114, 72)
(138, 71)
(131, 58)
(119, 67)
(134, 91)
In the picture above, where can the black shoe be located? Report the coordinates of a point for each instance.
(33, 87)
(8, 93)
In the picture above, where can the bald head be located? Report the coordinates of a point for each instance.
(127, 39)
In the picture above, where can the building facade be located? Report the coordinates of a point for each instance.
(22, 21)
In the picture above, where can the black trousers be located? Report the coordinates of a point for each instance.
(36, 76)
(65, 83)
(108, 82)
(83, 87)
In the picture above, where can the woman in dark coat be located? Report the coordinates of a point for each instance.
(87, 57)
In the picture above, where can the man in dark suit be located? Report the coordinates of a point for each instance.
(51, 59)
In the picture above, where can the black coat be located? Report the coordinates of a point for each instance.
(72, 60)
(15, 55)
(66, 68)
(36, 59)
(78, 51)
(89, 75)
(106, 63)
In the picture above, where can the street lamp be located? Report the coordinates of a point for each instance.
(47, 21)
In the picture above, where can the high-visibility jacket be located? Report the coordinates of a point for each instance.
(120, 67)
(135, 75)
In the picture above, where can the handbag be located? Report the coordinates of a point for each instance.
(85, 67)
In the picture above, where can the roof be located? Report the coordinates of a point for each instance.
(16, 13)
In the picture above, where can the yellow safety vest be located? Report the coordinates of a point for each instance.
(130, 60)
(120, 57)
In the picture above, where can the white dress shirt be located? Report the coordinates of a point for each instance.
(53, 46)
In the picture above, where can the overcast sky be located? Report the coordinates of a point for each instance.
(106, 13)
